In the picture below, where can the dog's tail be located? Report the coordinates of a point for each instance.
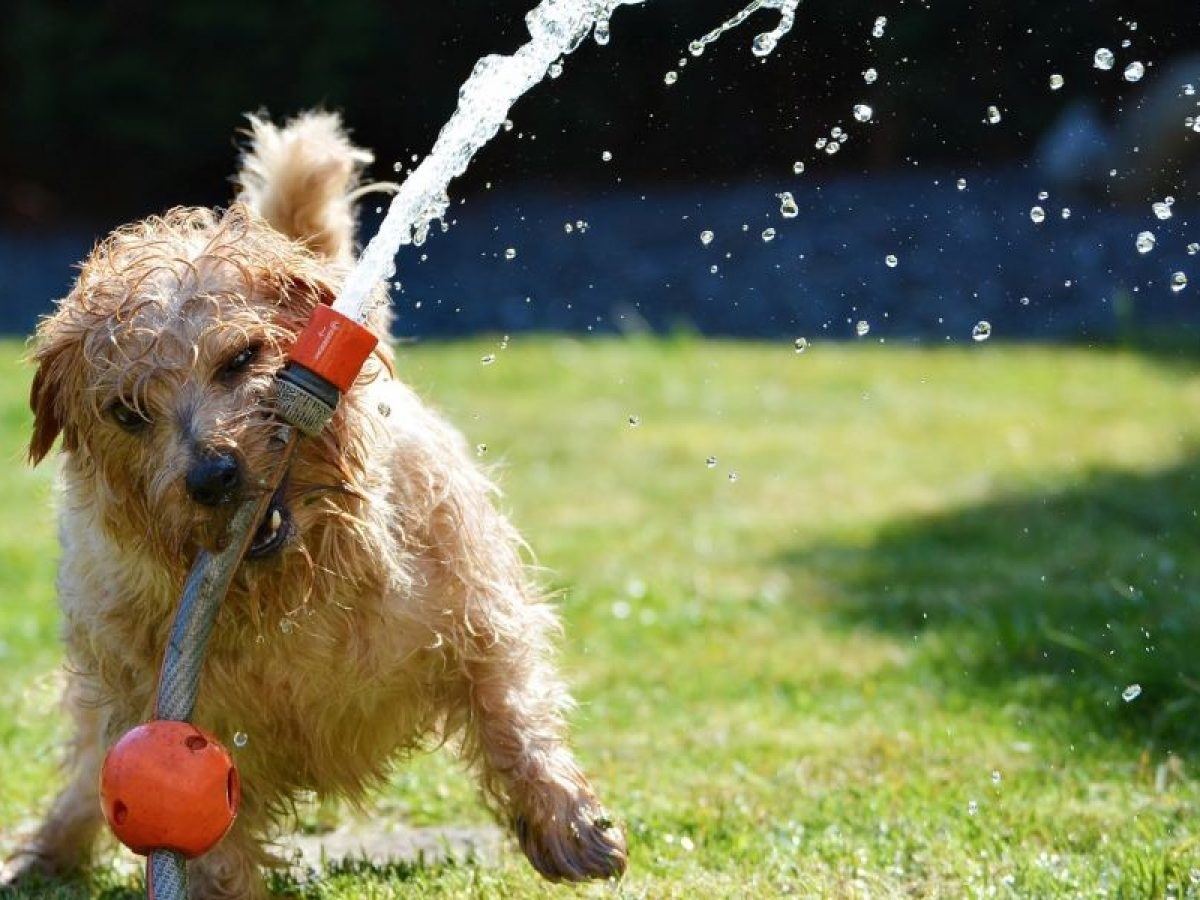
(302, 179)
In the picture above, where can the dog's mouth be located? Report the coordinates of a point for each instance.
(277, 526)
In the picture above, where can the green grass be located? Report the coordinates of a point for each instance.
(933, 566)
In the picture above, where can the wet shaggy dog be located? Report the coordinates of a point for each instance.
(383, 604)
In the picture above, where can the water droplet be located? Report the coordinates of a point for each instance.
(1145, 242)
(1024, 301)
(240, 739)
(862, 112)
(787, 205)
(768, 235)
(972, 807)
(706, 238)
(670, 78)
(961, 184)
(733, 477)
(1043, 195)
(1131, 693)
(1134, 71)
(286, 625)
(870, 76)
(568, 228)
(891, 261)
(635, 421)
(995, 776)
(862, 327)
(798, 167)
(621, 609)
(488, 359)
(714, 269)
(1103, 59)
(1066, 212)
(481, 449)
(1162, 209)
(555, 70)
(801, 344)
(696, 48)
(833, 147)
(601, 33)
(821, 142)
(982, 331)
(508, 125)
(1056, 81)
(880, 24)
(510, 253)
(993, 115)
(711, 462)
(1189, 90)
(763, 44)
(1037, 214)
(1193, 248)
(1178, 282)
(686, 843)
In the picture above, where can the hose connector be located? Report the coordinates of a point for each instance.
(322, 366)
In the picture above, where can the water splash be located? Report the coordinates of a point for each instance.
(763, 43)
(556, 29)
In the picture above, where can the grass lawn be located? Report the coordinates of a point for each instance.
(878, 648)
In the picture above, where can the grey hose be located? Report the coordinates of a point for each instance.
(205, 589)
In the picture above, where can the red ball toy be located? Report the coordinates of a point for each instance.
(169, 786)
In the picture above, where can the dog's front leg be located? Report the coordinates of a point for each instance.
(516, 729)
(63, 844)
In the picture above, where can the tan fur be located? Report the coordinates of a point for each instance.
(300, 179)
(399, 614)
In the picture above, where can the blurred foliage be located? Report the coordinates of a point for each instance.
(110, 108)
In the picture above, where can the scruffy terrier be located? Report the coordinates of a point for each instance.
(382, 605)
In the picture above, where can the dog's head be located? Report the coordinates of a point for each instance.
(157, 370)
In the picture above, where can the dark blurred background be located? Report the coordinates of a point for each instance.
(112, 110)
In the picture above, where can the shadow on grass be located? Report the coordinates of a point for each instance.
(283, 884)
(349, 873)
(1049, 602)
(80, 888)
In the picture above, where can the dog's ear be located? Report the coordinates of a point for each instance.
(301, 178)
(47, 396)
(300, 292)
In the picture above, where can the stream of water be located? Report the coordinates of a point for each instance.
(556, 29)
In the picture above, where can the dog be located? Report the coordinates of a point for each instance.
(383, 605)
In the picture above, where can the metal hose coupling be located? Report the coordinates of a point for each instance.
(328, 356)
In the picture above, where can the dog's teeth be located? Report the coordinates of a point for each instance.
(276, 520)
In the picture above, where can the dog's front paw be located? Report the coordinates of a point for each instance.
(573, 842)
(30, 868)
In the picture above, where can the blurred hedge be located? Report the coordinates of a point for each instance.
(111, 108)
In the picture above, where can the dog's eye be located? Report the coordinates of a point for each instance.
(128, 417)
(239, 361)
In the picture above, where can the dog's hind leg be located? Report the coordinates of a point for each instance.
(232, 869)
(63, 844)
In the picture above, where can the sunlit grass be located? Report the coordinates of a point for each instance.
(886, 658)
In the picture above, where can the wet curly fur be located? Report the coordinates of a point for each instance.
(397, 612)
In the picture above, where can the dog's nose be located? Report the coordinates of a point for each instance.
(214, 478)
